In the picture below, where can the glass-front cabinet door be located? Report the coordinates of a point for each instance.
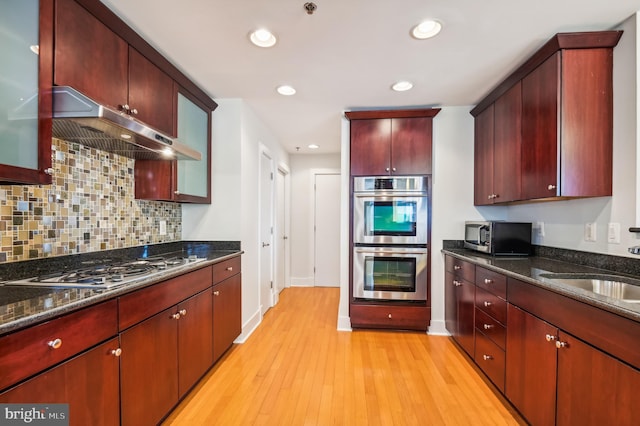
(26, 70)
(193, 177)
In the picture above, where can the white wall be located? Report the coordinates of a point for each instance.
(237, 135)
(564, 221)
(303, 167)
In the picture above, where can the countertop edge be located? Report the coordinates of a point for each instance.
(38, 318)
(584, 296)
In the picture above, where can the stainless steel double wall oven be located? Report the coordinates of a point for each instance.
(390, 235)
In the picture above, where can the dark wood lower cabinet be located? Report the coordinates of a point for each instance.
(459, 311)
(227, 314)
(194, 340)
(531, 366)
(593, 387)
(88, 383)
(148, 369)
(401, 317)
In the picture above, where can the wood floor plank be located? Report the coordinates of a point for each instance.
(297, 369)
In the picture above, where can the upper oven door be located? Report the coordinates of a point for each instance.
(400, 218)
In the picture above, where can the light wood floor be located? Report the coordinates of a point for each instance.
(297, 369)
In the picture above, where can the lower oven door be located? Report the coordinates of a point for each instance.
(390, 273)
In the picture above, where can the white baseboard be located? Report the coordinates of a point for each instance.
(249, 327)
(437, 328)
(302, 282)
(344, 323)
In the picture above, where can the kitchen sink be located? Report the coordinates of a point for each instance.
(614, 286)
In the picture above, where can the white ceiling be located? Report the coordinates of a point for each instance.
(349, 52)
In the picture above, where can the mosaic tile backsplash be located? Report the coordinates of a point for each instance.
(90, 206)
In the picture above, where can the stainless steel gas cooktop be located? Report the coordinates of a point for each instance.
(106, 275)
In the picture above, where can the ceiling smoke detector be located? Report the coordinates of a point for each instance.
(310, 7)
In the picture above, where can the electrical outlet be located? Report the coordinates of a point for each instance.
(163, 227)
(540, 229)
(613, 233)
(590, 231)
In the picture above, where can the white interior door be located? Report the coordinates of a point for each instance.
(327, 230)
(281, 236)
(266, 232)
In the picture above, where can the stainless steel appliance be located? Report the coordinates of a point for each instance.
(498, 238)
(390, 273)
(105, 275)
(390, 210)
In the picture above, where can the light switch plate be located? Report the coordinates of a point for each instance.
(163, 227)
(613, 233)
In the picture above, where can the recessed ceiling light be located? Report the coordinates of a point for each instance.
(286, 90)
(402, 86)
(313, 146)
(426, 29)
(262, 38)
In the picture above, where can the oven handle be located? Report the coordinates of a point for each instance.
(390, 194)
(390, 251)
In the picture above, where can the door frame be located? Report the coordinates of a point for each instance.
(264, 151)
(283, 169)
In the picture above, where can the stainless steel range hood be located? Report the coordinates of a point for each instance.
(77, 118)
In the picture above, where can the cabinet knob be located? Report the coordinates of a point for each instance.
(176, 192)
(134, 111)
(125, 108)
(457, 283)
(487, 281)
(551, 187)
(487, 304)
(116, 352)
(561, 345)
(389, 316)
(487, 357)
(488, 326)
(386, 170)
(229, 268)
(393, 169)
(175, 316)
(490, 196)
(55, 344)
(457, 267)
(182, 312)
(216, 293)
(48, 171)
(550, 337)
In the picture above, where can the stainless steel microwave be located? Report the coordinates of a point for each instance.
(498, 238)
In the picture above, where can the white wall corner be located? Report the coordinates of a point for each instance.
(437, 328)
(344, 323)
(249, 327)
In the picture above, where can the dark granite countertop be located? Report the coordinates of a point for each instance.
(23, 306)
(529, 269)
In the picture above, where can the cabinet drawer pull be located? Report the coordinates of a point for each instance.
(457, 267)
(487, 281)
(216, 293)
(488, 326)
(487, 304)
(48, 171)
(116, 352)
(55, 344)
(389, 316)
(182, 312)
(561, 345)
(230, 268)
(551, 187)
(457, 283)
(487, 357)
(550, 337)
(175, 316)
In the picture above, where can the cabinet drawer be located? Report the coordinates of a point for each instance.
(396, 317)
(226, 269)
(492, 281)
(491, 328)
(460, 268)
(142, 304)
(490, 358)
(492, 305)
(31, 350)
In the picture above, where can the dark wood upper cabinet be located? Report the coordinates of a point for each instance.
(391, 142)
(557, 140)
(25, 82)
(89, 56)
(483, 158)
(96, 61)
